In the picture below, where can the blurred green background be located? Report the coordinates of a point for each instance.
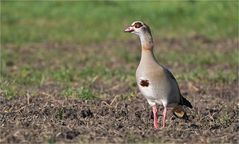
(79, 49)
(83, 22)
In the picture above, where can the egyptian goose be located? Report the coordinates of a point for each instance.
(156, 83)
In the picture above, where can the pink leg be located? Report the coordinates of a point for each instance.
(155, 117)
(164, 116)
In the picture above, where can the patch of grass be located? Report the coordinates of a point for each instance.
(205, 75)
(82, 93)
(8, 89)
(62, 74)
(24, 22)
(200, 57)
(223, 119)
(60, 113)
(51, 141)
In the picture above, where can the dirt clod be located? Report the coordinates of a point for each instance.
(69, 135)
(86, 113)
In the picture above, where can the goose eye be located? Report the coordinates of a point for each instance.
(138, 25)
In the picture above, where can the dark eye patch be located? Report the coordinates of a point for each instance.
(138, 25)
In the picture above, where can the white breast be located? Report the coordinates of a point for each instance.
(147, 91)
(155, 93)
(150, 92)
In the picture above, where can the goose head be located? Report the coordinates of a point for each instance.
(139, 28)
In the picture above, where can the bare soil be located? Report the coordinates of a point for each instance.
(42, 118)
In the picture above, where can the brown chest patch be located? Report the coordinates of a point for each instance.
(144, 83)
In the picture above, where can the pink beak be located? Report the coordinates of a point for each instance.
(129, 29)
